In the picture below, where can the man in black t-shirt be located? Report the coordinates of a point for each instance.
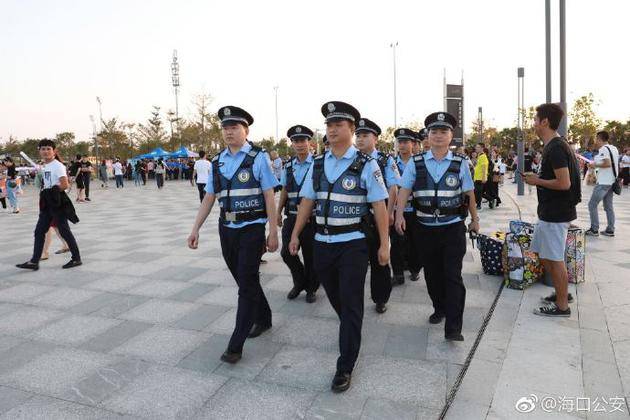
(559, 190)
(86, 173)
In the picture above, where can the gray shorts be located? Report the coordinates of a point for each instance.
(550, 240)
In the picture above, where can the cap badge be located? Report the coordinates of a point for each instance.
(361, 123)
(331, 107)
(441, 116)
(227, 112)
(298, 129)
(402, 131)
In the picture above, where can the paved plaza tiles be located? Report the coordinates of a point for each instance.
(137, 331)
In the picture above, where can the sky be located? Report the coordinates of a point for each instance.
(58, 56)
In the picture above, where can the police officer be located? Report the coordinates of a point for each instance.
(343, 182)
(403, 252)
(292, 178)
(442, 196)
(367, 133)
(242, 180)
(423, 141)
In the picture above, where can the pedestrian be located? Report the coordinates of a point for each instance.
(607, 164)
(129, 171)
(276, 164)
(77, 176)
(559, 190)
(492, 185)
(345, 183)
(292, 179)
(481, 173)
(242, 180)
(151, 168)
(86, 173)
(366, 135)
(118, 173)
(160, 171)
(12, 185)
(102, 174)
(55, 206)
(404, 254)
(624, 165)
(201, 170)
(443, 195)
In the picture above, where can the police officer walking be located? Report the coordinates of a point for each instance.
(442, 197)
(403, 253)
(241, 178)
(292, 178)
(344, 183)
(367, 133)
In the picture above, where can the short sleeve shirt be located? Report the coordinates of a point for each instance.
(51, 173)
(202, 168)
(371, 180)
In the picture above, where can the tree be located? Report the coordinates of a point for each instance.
(152, 134)
(584, 121)
(65, 141)
(619, 133)
(116, 139)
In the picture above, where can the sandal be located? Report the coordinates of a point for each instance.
(43, 258)
(62, 251)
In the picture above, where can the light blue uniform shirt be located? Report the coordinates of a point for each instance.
(299, 170)
(371, 180)
(261, 168)
(400, 162)
(437, 168)
(392, 177)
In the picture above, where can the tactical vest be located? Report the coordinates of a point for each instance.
(382, 164)
(438, 202)
(340, 205)
(240, 198)
(293, 190)
(401, 170)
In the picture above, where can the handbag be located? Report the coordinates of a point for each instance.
(616, 185)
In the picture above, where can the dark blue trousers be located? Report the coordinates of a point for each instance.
(341, 268)
(242, 249)
(443, 249)
(302, 273)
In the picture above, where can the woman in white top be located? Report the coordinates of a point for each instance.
(624, 167)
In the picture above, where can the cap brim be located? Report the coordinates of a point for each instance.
(439, 124)
(368, 129)
(300, 137)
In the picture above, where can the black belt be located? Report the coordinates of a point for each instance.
(337, 230)
(441, 212)
(227, 217)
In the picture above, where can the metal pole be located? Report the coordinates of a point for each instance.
(94, 134)
(275, 88)
(562, 130)
(480, 118)
(100, 119)
(394, 45)
(461, 123)
(548, 49)
(520, 144)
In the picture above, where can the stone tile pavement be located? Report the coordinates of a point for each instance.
(137, 331)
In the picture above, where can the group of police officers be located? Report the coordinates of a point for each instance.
(342, 208)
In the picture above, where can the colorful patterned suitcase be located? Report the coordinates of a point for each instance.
(574, 254)
(521, 266)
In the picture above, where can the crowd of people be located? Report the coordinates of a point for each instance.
(350, 208)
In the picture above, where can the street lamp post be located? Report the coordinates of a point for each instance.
(95, 136)
(275, 89)
(480, 119)
(175, 83)
(100, 119)
(520, 149)
(393, 46)
(562, 130)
